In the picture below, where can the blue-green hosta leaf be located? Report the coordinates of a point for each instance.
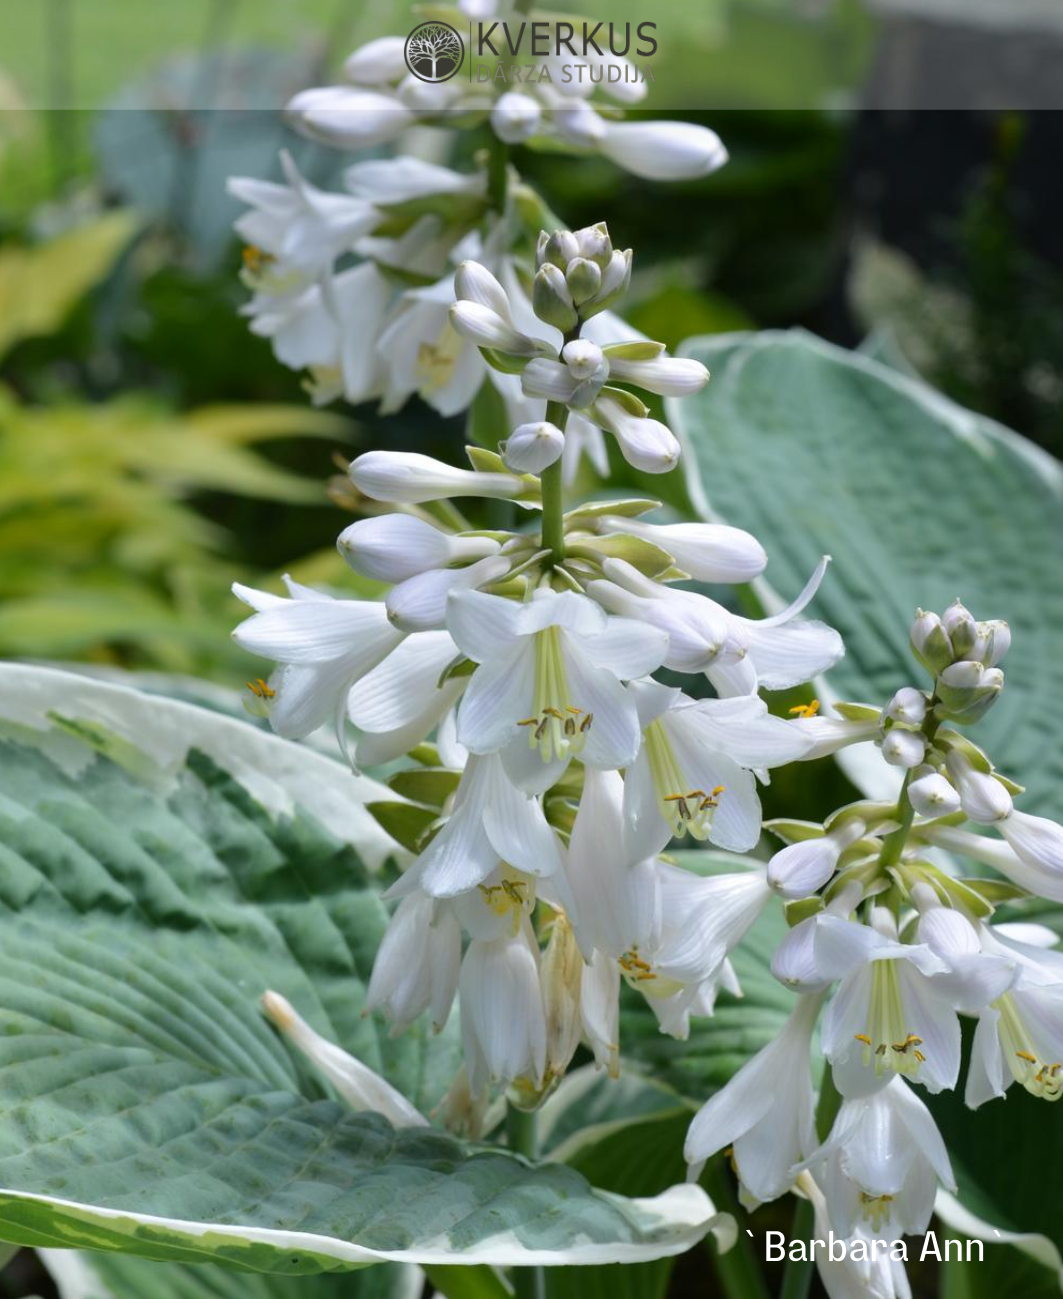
(158, 872)
(122, 1276)
(821, 451)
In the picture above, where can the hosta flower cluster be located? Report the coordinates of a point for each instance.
(354, 287)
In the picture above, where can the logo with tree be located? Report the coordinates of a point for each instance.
(434, 51)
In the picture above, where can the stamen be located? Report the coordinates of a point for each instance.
(1037, 1075)
(876, 1208)
(560, 727)
(806, 710)
(686, 810)
(888, 1043)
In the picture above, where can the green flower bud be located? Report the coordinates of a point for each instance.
(551, 299)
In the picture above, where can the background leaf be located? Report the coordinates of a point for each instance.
(821, 451)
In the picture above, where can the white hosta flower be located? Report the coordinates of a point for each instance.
(298, 224)
(709, 552)
(548, 687)
(328, 328)
(694, 770)
(645, 443)
(355, 1082)
(902, 748)
(896, 1008)
(1038, 868)
(861, 1269)
(516, 117)
(982, 797)
(1019, 1037)
(491, 822)
(618, 898)
(668, 376)
(409, 478)
(422, 353)
(828, 734)
(377, 63)
(664, 150)
(804, 867)
(766, 1111)
(531, 448)
(420, 603)
(393, 547)
(882, 1163)
(497, 907)
(400, 702)
(416, 965)
(324, 646)
(503, 1023)
(348, 118)
(932, 794)
(794, 963)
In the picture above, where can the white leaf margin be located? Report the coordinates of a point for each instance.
(681, 1216)
(277, 773)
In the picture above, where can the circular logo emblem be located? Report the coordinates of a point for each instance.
(434, 51)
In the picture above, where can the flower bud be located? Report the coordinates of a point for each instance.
(551, 299)
(584, 279)
(668, 376)
(994, 641)
(663, 150)
(931, 643)
(595, 244)
(645, 443)
(1036, 840)
(531, 448)
(802, 868)
(348, 118)
(982, 797)
(908, 705)
(410, 479)
(355, 1082)
(931, 794)
(616, 279)
(967, 689)
(903, 748)
(558, 248)
(378, 62)
(709, 552)
(420, 603)
(486, 328)
(475, 283)
(961, 629)
(583, 358)
(515, 117)
(393, 547)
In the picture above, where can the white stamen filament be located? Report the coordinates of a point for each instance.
(687, 810)
(889, 1042)
(557, 727)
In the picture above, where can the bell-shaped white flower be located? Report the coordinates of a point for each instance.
(491, 822)
(531, 448)
(416, 965)
(694, 770)
(1019, 1037)
(324, 646)
(618, 897)
(982, 797)
(401, 700)
(377, 63)
(348, 118)
(503, 1023)
(766, 1112)
(882, 1163)
(932, 794)
(664, 150)
(298, 224)
(548, 687)
(409, 478)
(515, 117)
(794, 963)
(355, 1082)
(393, 547)
(709, 552)
(861, 1269)
(803, 867)
(887, 1015)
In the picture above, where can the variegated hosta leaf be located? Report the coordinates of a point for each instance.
(820, 451)
(160, 867)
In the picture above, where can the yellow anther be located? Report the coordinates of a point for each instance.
(585, 725)
(1025, 1055)
(576, 712)
(909, 1042)
(806, 710)
(261, 689)
(255, 260)
(863, 1037)
(529, 721)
